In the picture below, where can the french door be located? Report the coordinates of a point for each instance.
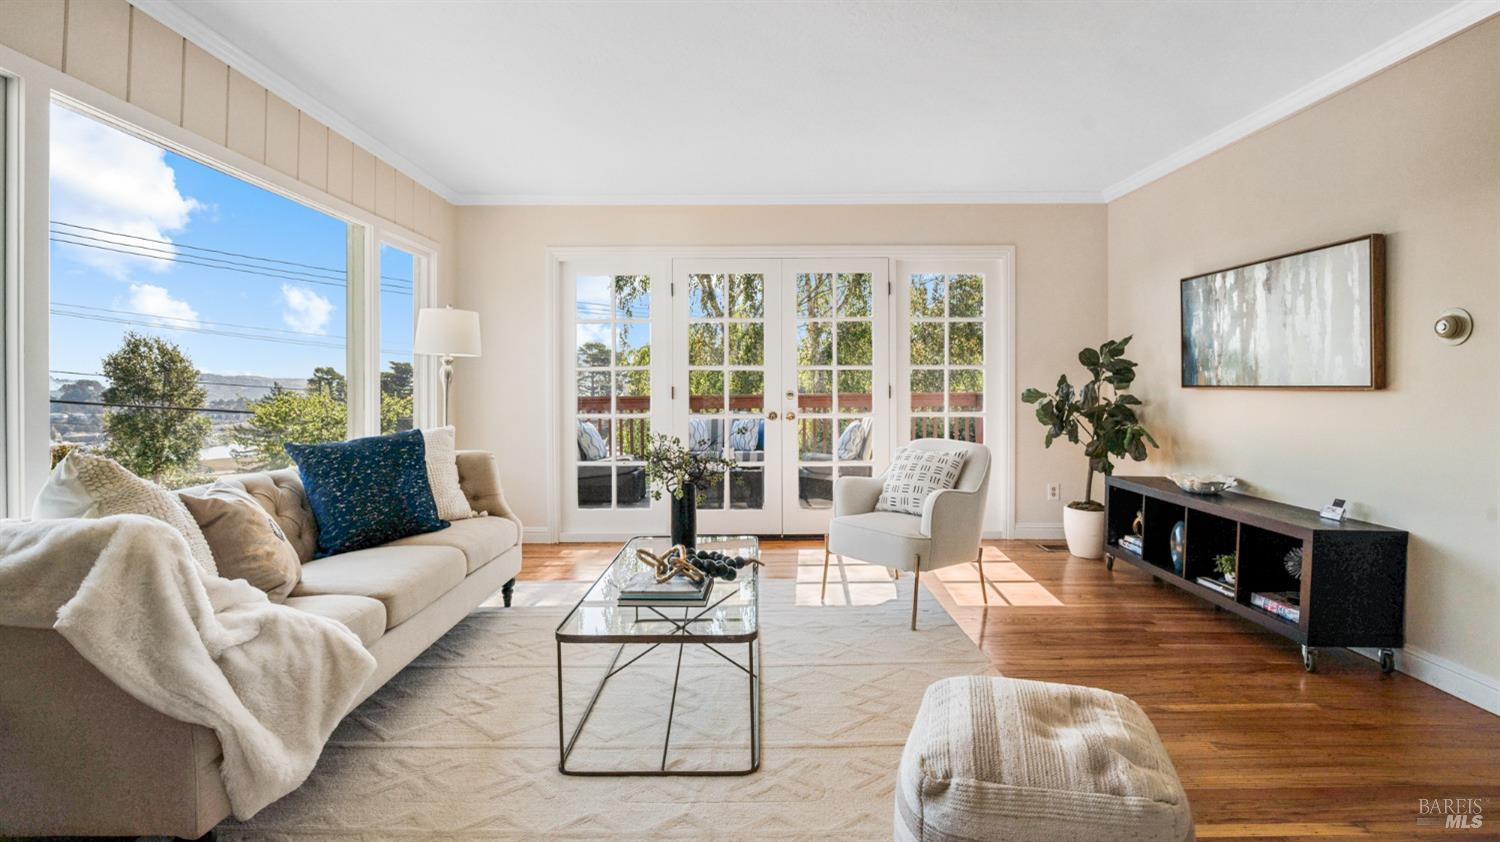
(798, 370)
(785, 369)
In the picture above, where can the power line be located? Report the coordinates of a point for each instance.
(156, 406)
(176, 245)
(195, 248)
(173, 252)
(126, 250)
(193, 321)
(212, 332)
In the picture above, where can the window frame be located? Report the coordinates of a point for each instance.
(33, 87)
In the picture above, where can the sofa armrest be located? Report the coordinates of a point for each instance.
(856, 495)
(479, 477)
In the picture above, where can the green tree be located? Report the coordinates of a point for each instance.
(328, 379)
(152, 426)
(396, 382)
(317, 414)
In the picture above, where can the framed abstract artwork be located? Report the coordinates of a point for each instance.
(1312, 319)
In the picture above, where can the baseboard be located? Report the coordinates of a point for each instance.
(1462, 682)
(538, 535)
(1035, 531)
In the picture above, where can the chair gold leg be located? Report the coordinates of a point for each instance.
(984, 589)
(916, 591)
(823, 595)
(895, 574)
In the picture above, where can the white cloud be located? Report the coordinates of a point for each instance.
(155, 301)
(104, 178)
(305, 310)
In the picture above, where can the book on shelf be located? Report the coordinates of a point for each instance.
(1217, 585)
(1132, 543)
(1285, 604)
(641, 589)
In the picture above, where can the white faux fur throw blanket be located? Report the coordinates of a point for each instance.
(271, 681)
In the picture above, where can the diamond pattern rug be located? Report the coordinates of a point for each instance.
(463, 743)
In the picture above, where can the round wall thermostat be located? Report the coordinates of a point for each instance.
(1454, 326)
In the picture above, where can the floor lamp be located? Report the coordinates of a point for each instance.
(447, 333)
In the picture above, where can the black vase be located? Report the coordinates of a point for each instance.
(685, 518)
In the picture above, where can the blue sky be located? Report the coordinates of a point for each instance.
(131, 220)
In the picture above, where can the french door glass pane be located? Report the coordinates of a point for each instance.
(726, 382)
(613, 357)
(835, 379)
(947, 356)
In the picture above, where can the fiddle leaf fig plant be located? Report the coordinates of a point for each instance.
(1099, 414)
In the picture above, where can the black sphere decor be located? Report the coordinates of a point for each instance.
(717, 564)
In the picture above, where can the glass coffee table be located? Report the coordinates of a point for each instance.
(729, 619)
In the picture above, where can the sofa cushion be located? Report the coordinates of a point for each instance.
(280, 493)
(363, 615)
(367, 492)
(246, 541)
(442, 475)
(85, 485)
(405, 579)
(481, 539)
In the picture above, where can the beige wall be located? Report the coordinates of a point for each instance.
(122, 51)
(501, 257)
(1413, 153)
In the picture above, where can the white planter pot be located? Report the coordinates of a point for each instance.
(1085, 532)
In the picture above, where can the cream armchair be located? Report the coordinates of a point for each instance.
(947, 532)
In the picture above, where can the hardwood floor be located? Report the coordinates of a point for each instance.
(1265, 750)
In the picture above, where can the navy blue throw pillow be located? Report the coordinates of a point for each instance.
(367, 492)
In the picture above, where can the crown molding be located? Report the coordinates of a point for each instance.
(1079, 197)
(175, 15)
(1431, 31)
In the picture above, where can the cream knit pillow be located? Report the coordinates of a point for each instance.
(84, 485)
(442, 474)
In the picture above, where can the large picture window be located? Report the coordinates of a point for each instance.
(197, 321)
(397, 326)
(946, 353)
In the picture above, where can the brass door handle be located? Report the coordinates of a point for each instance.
(772, 415)
(791, 416)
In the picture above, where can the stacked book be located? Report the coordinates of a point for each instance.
(641, 589)
(1285, 604)
(1131, 543)
(1217, 585)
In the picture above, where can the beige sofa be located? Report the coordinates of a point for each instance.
(79, 756)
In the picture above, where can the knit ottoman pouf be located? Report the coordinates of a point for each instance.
(1028, 761)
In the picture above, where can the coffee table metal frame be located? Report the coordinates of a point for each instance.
(678, 630)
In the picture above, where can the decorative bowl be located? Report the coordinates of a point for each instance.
(1203, 483)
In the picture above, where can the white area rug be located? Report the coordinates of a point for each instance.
(463, 744)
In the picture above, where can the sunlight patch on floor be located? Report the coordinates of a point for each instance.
(849, 583)
(1009, 585)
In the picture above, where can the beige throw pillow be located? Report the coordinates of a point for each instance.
(245, 539)
(85, 485)
(442, 474)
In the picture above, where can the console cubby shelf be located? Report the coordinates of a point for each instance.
(1352, 587)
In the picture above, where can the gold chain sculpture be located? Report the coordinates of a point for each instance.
(670, 563)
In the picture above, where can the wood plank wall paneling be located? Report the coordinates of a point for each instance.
(125, 52)
(97, 44)
(155, 77)
(205, 95)
(34, 28)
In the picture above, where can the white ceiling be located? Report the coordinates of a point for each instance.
(597, 102)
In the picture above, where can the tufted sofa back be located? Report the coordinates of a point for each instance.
(280, 494)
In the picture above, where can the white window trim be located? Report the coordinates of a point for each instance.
(32, 88)
(1000, 322)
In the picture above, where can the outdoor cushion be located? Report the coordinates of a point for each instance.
(480, 539)
(405, 579)
(364, 616)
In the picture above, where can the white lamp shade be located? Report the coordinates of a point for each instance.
(446, 331)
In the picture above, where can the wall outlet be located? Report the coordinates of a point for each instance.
(1054, 491)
